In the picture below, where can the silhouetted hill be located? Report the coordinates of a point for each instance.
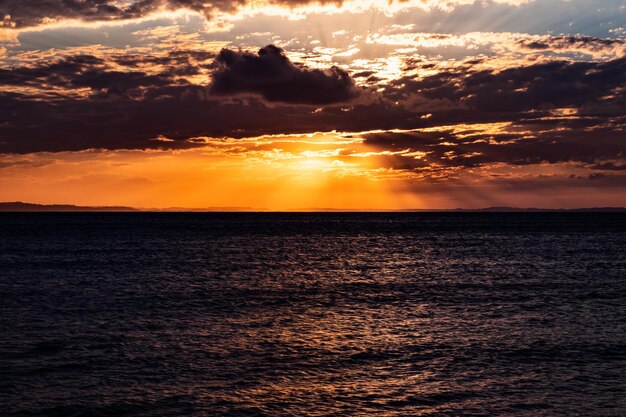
(28, 207)
(541, 210)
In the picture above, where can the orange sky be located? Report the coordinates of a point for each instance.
(276, 173)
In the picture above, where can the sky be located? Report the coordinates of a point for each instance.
(296, 104)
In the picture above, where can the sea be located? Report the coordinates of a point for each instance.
(313, 314)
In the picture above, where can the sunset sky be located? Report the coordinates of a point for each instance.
(284, 105)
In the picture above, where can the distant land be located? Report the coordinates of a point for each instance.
(69, 208)
(28, 207)
(18, 206)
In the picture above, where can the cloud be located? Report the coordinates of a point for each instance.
(28, 13)
(546, 85)
(475, 146)
(181, 113)
(24, 13)
(459, 117)
(84, 76)
(274, 77)
(500, 43)
(20, 13)
(580, 44)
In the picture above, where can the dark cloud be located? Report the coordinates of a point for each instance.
(591, 132)
(85, 71)
(273, 76)
(531, 98)
(60, 72)
(177, 58)
(22, 13)
(580, 43)
(464, 148)
(535, 87)
(32, 124)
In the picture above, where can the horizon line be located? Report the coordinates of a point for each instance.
(22, 207)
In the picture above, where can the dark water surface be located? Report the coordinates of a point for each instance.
(313, 314)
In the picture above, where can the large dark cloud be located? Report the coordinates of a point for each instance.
(274, 77)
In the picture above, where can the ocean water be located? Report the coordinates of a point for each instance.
(415, 314)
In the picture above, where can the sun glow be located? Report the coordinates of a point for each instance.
(267, 173)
